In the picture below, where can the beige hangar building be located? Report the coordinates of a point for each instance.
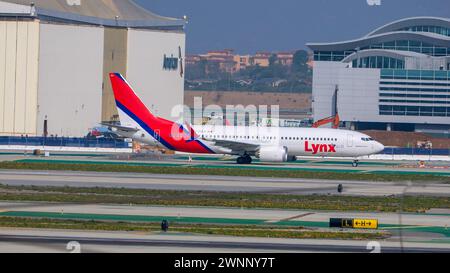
(55, 57)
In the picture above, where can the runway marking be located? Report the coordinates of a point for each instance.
(406, 227)
(291, 218)
(298, 216)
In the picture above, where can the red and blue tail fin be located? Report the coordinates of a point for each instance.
(134, 113)
(131, 108)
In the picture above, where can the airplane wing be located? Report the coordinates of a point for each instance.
(120, 127)
(236, 147)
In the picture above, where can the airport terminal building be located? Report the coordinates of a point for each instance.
(394, 78)
(55, 57)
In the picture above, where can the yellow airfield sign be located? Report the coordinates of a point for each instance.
(354, 223)
(365, 223)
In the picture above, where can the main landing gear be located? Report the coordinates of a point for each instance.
(355, 163)
(245, 159)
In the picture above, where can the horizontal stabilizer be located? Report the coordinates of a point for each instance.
(121, 128)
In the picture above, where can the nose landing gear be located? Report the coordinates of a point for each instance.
(245, 159)
(355, 163)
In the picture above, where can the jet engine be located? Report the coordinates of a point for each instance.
(272, 154)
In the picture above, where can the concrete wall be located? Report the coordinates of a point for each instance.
(19, 45)
(70, 78)
(60, 73)
(114, 60)
(159, 89)
(358, 94)
(325, 79)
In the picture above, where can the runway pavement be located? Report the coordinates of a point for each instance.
(431, 227)
(218, 162)
(421, 232)
(312, 165)
(217, 183)
(215, 214)
(26, 240)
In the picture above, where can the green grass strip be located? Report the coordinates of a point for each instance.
(228, 230)
(126, 196)
(130, 218)
(158, 219)
(232, 170)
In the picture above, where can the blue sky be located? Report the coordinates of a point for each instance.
(276, 25)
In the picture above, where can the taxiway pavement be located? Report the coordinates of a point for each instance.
(218, 183)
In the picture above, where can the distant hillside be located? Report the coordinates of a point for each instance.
(264, 72)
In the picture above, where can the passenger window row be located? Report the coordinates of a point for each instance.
(309, 138)
(267, 138)
(236, 137)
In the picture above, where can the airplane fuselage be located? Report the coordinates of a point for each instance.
(271, 144)
(298, 141)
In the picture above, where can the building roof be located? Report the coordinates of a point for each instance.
(397, 54)
(425, 37)
(393, 31)
(117, 13)
(410, 22)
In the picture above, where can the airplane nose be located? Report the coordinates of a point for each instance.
(379, 147)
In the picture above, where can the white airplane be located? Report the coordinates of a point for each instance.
(269, 144)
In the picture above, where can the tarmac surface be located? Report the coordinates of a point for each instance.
(219, 183)
(434, 218)
(441, 168)
(425, 232)
(415, 232)
(26, 240)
